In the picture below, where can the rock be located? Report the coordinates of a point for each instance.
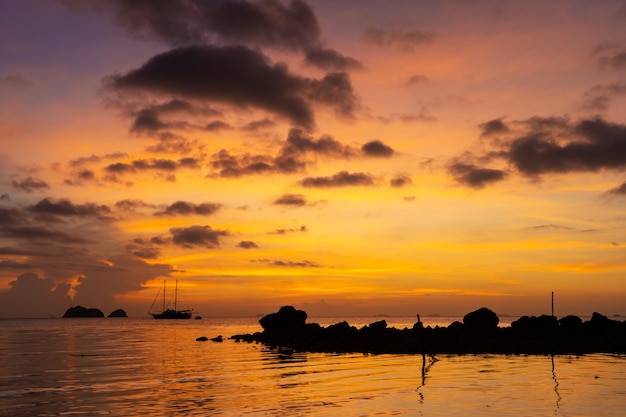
(218, 339)
(118, 313)
(482, 319)
(81, 312)
(286, 320)
(202, 339)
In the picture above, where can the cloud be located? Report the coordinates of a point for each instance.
(30, 184)
(417, 79)
(378, 149)
(302, 229)
(95, 159)
(331, 60)
(184, 208)
(599, 97)
(401, 180)
(293, 156)
(15, 80)
(40, 233)
(203, 236)
(618, 191)
(590, 145)
(288, 264)
(297, 200)
(341, 179)
(216, 126)
(131, 205)
(397, 38)
(473, 176)
(66, 208)
(237, 76)
(548, 227)
(247, 244)
(5, 196)
(541, 146)
(18, 301)
(493, 127)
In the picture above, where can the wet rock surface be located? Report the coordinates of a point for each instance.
(479, 333)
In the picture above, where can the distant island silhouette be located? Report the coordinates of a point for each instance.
(83, 312)
(478, 333)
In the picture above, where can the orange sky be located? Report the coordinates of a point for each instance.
(350, 158)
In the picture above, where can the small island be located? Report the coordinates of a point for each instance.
(118, 313)
(287, 330)
(82, 312)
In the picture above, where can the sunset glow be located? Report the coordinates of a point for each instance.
(353, 157)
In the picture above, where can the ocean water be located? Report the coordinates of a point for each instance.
(134, 367)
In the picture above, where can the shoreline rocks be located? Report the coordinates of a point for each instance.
(479, 333)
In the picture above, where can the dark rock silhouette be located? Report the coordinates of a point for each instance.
(479, 333)
(118, 313)
(81, 312)
(202, 339)
(481, 320)
(218, 339)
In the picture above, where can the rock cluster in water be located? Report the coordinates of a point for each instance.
(479, 333)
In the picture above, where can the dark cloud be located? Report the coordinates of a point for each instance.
(401, 180)
(297, 200)
(331, 60)
(247, 244)
(51, 297)
(139, 165)
(378, 149)
(204, 236)
(40, 233)
(145, 253)
(397, 38)
(95, 158)
(599, 97)
(590, 145)
(493, 127)
(66, 208)
(216, 126)
(298, 142)
(258, 124)
(130, 205)
(15, 80)
(30, 184)
(11, 216)
(184, 208)
(473, 176)
(615, 60)
(302, 228)
(5, 196)
(618, 191)
(263, 23)
(341, 179)
(417, 79)
(547, 145)
(291, 158)
(289, 264)
(240, 77)
(548, 227)
(170, 143)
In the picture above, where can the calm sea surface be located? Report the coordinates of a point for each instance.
(134, 367)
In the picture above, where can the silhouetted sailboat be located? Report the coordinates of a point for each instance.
(167, 313)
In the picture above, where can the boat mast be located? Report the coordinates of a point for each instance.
(176, 296)
(163, 296)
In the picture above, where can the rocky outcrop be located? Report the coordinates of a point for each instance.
(479, 333)
(81, 312)
(118, 313)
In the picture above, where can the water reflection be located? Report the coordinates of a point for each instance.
(556, 385)
(425, 368)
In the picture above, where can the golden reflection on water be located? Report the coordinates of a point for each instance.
(141, 367)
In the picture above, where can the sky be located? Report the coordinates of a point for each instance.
(349, 158)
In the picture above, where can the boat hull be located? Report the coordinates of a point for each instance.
(172, 315)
